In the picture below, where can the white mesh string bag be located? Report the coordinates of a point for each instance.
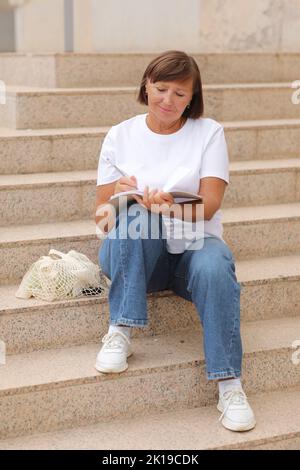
(62, 276)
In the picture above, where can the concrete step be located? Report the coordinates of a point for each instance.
(262, 139)
(249, 231)
(277, 416)
(42, 197)
(56, 389)
(47, 150)
(72, 194)
(51, 108)
(270, 289)
(91, 70)
(43, 150)
(271, 230)
(261, 182)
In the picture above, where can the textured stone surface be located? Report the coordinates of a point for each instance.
(263, 25)
(59, 388)
(247, 231)
(50, 108)
(72, 194)
(199, 429)
(32, 324)
(45, 388)
(94, 70)
(269, 230)
(27, 69)
(261, 182)
(289, 443)
(23, 151)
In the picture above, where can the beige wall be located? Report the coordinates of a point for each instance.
(40, 26)
(155, 25)
(145, 25)
(244, 25)
(194, 25)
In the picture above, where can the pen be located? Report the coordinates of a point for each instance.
(116, 167)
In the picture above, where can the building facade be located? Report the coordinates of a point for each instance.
(43, 26)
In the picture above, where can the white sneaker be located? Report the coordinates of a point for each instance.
(113, 355)
(237, 414)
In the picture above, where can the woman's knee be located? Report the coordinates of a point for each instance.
(213, 263)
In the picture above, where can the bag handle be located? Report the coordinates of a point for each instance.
(60, 254)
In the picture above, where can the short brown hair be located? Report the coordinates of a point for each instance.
(175, 65)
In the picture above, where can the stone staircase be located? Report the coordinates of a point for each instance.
(58, 110)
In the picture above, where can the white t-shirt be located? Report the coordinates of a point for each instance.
(199, 146)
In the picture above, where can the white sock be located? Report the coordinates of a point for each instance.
(225, 384)
(123, 329)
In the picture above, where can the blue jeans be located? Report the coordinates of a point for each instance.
(204, 276)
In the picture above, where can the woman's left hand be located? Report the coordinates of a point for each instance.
(161, 200)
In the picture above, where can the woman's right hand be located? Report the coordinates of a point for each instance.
(125, 183)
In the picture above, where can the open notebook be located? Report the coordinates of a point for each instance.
(170, 186)
(179, 196)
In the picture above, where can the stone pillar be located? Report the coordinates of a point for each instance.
(7, 27)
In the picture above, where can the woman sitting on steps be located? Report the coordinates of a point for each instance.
(151, 147)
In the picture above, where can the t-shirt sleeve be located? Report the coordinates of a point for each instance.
(215, 161)
(107, 173)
